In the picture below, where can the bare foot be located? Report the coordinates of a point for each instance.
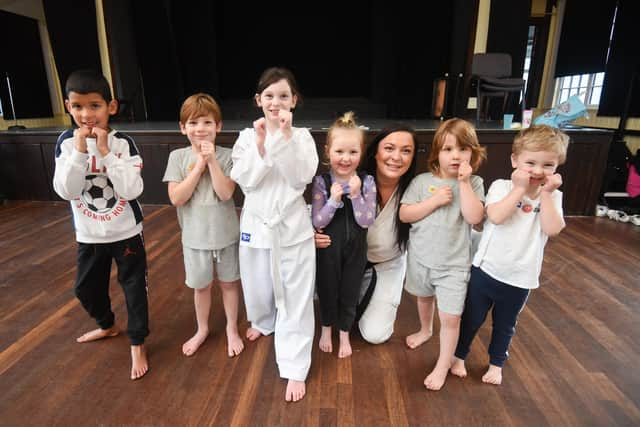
(458, 368)
(235, 345)
(493, 375)
(253, 334)
(435, 380)
(98, 334)
(190, 347)
(345, 345)
(417, 339)
(139, 363)
(295, 391)
(325, 340)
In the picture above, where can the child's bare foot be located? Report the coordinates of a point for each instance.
(139, 363)
(345, 345)
(435, 380)
(235, 345)
(253, 334)
(417, 339)
(98, 334)
(493, 375)
(190, 347)
(458, 368)
(325, 340)
(295, 391)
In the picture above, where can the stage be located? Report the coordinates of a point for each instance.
(27, 156)
(236, 125)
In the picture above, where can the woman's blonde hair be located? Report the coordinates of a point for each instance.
(465, 135)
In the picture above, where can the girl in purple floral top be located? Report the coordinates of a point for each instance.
(343, 207)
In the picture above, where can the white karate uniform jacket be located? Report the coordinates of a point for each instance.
(273, 186)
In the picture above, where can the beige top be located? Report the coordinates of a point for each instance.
(207, 222)
(382, 236)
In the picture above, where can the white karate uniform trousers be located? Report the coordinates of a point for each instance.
(378, 319)
(294, 326)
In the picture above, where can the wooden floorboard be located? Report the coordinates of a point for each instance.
(574, 360)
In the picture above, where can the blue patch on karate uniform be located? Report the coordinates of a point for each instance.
(245, 237)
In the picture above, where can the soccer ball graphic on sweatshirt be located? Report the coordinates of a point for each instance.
(98, 193)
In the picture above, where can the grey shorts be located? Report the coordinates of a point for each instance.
(448, 286)
(199, 265)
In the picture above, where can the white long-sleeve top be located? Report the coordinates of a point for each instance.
(102, 190)
(273, 186)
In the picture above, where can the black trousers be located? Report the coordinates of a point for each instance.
(92, 283)
(339, 272)
(505, 302)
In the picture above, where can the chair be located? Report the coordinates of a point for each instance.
(492, 75)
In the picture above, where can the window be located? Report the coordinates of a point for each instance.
(588, 87)
(527, 58)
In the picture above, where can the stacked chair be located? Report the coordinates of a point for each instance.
(491, 73)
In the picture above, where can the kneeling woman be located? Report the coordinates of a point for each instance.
(390, 159)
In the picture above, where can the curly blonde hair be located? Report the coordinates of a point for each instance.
(542, 138)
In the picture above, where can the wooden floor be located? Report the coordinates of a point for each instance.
(574, 361)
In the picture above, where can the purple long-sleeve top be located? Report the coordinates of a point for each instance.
(323, 208)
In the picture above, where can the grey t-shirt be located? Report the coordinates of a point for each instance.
(440, 240)
(206, 221)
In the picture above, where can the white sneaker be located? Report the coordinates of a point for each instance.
(618, 215)
(635, 219)
(601, 210)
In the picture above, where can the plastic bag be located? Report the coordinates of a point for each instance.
(563, 113)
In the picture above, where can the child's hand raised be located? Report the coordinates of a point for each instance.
(284, 120)
(354, 186)
(520, 178)
(80, 139)
(201, 162)
(443, 195)
(208, 150)
(336, 192)
(260, 127)
(552, 183)
(464, 171)
(102, 140)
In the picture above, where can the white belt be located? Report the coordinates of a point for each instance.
(272, 224)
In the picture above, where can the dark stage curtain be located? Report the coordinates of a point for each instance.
(196, 45)
(508, 33)
(22, 60)
(463, 35)
(387, 53)
(174, 54)
(328, 48)
(159, 68)
(125, 69)
(73, 34)
(584, 40)
(417, 52)
(623, 64)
